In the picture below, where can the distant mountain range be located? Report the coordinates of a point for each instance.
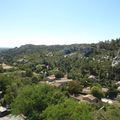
(111, 46)
(65, 49)
(3, 49)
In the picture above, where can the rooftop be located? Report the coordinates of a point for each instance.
(91, 97)
(63, 80)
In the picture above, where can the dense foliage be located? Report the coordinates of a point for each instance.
(93, 66)
(32, 100)
(69, 110)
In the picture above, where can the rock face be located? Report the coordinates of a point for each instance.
(6, 67)
(92, 77)
(118, 88)
(116, 60)
(109, 101)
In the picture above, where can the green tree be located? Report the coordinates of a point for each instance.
(33, 99)
(59, 74)
(113, 92)
(69, 110)
(111, 112)
(35, 80)
(97, 91)
(74, 87)
(29, 73)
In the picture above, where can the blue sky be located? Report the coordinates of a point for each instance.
(58, 21)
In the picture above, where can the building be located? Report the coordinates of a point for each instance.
(90, 98)
(61, 82)
(85, 98)
(105, 90)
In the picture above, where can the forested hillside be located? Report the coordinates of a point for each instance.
(68, 82)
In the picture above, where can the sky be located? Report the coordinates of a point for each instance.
(52, 22)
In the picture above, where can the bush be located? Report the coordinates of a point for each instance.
(59, 74)
(69, 110)
(97, 92)
(74, 87)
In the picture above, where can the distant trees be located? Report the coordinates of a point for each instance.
(21, 88)
(110, 45)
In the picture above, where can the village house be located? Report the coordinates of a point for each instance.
(57, 82)
(105, 90)
(61, 82)
(90, 98)
(86, 98)
(51, 80)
